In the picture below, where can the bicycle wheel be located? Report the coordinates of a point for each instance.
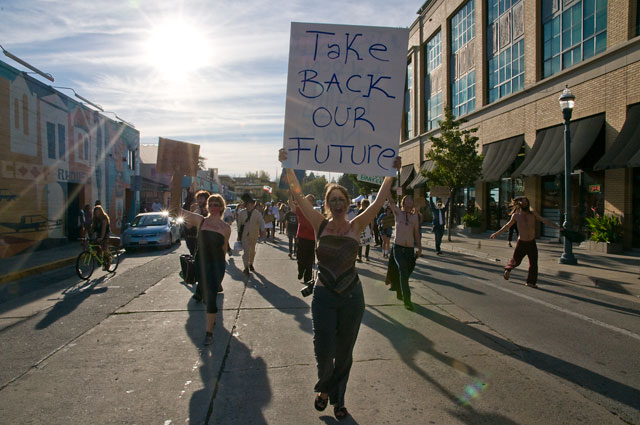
(85, 265)
(115, 259)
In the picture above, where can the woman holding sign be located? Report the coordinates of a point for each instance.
(338, 302)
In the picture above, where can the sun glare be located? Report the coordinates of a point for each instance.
(176, 49)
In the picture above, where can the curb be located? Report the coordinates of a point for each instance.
(10, 277)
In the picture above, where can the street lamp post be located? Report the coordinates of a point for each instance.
(567, 101)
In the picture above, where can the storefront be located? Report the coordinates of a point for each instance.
(501, 159)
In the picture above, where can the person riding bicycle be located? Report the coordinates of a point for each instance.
(100, 228)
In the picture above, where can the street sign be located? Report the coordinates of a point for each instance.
(371, 179)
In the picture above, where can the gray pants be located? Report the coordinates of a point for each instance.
(336, 322)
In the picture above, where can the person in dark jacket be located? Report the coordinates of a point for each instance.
(439, 211)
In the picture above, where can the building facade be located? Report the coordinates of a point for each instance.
(501, 65)
(56, 155)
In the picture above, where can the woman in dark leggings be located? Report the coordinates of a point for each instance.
(213, 239)
(338, 301)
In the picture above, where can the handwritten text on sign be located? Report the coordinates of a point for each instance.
(345, 92)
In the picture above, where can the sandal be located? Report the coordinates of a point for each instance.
(320, 403)
(340, 412)
(506, 274)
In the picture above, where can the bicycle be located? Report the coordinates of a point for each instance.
(90, 256)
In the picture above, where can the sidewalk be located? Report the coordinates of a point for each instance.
(36, 262)
(613, 272)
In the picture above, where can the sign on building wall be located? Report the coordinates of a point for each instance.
(345, 92)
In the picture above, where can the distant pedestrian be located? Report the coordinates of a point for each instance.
(526, 218)
(213, 239)
(282, 207)
(306, 237)
(291, 219)
(156, 206)
(250, 228)
(385, 224)
(402, 260)
(269, 221)
(439, 211)
(513, 229)
(367, 233)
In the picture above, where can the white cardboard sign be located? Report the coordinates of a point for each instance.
(345, 95)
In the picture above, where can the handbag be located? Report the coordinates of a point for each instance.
(188, 269)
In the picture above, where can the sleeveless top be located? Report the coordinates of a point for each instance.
(337, 261)
(210, 246)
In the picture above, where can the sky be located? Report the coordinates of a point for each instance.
(209, 72)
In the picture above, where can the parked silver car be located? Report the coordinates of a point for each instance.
(154, 229)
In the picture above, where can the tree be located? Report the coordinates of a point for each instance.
(201, 163)
(457, 163)
(314, 185)
(348, 183)
(258, 175)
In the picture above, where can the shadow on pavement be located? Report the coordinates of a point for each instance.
(409, 342)
(564, 370)
(223, 397)
(73, 297)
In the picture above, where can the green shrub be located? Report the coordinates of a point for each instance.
(472, 220)
(605, 228)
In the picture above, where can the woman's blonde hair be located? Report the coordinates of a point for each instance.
(104, 214)
(220, 199)
(330, 187)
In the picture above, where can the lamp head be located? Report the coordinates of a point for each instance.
(567, 99)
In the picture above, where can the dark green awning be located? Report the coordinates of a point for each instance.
(499, 156)
(406, 172)
(421, 180)
(547, 155)
(625, 149)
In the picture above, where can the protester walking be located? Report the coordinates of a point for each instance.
(338, 301)
(365, 237)
(522, 214)
(402, 260)
(439, 211)
(212, 242)
(200, 207)
(305, 235)
(250, 227)
(292, 229)
(385, 224)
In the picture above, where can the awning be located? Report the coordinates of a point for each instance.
(421, 180)
(406, 172)
(547, 155)
(626, 145)
(149, 185)
(499, 156)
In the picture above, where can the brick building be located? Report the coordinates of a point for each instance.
(501, 65)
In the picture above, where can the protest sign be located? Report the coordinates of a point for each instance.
(177, 158)
(345, 94)
(440, 191)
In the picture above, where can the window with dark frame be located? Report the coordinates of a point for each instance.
(463, 74)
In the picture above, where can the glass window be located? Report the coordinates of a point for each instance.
(408, 133)
(433, 89)
(25, 114)
(51, 140)
(86, 148)
(506, 55)
(462, 60)
(572, 32)
(62, 136)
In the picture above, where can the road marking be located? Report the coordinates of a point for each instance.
(562, 310)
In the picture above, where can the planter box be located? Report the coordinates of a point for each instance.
(605, 247)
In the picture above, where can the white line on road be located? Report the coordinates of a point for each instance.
(560, 309)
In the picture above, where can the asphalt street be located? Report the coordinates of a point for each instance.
(127, 348)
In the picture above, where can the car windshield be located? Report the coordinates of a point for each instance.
(149, 220)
